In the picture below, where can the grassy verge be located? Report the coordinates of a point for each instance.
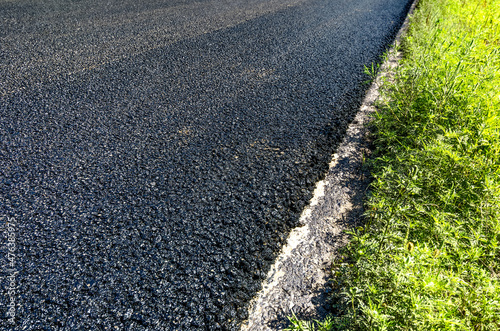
(428, 257)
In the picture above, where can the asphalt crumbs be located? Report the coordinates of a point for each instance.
(154, 155)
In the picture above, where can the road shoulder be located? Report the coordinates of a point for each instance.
(298, 280)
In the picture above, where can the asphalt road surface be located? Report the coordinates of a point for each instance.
(155, 154)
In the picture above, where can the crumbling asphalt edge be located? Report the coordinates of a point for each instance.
(298, 280)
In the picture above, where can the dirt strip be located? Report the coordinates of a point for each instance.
(298, 280)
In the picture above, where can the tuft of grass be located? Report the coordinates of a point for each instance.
(314, 325)
(371, 72)
(428, 257)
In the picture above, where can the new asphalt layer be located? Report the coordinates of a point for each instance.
(154, 155)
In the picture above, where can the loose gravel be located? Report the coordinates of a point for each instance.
(152, 169)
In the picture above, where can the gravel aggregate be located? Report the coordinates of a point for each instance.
(154, 156)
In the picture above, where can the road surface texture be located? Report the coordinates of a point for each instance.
(155, 155)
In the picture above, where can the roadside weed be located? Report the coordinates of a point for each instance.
(315, 325)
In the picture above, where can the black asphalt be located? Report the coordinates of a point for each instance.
(155, 154)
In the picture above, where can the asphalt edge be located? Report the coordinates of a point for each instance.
(297, 281)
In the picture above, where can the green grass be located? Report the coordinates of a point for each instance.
(428, 257)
